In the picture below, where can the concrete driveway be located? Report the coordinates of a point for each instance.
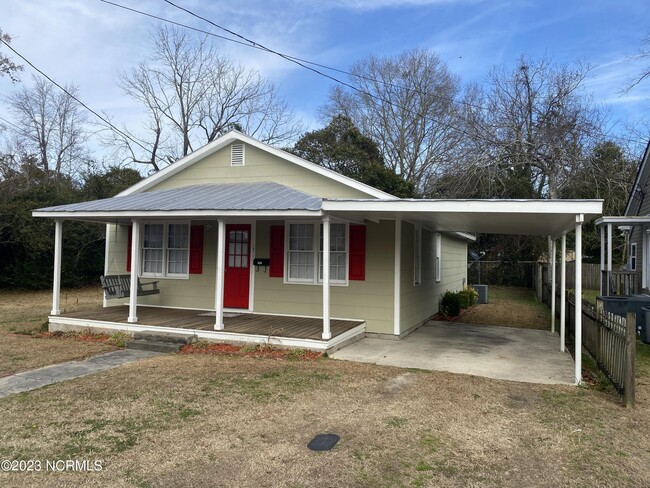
(504, 353)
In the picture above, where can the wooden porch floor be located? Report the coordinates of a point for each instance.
(245, 323)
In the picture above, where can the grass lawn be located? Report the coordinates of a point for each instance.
(510, 307)
(216, 420)
(22, 313)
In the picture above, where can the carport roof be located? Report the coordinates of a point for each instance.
(272, 200)
(519, 217)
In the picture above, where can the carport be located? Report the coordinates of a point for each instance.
(504, 353)
(552, 218)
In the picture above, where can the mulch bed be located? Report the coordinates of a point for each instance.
(261, 351)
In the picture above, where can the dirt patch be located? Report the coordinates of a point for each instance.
(509, 307)
(22, 321)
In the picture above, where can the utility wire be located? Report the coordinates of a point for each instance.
(300, 61)
(96, 114)
(286, 56)
(9, 122)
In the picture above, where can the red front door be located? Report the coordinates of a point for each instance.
(237, 277)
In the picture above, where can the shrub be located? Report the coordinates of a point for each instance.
(464, 298)
(450, 303)
(468, 297)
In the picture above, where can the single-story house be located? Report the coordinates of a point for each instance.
(251, 243)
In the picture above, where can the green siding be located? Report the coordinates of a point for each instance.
(418, 303)
(197, 291)
(259, 166)
(370, 300)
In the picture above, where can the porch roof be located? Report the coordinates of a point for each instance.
(192, 201)
(272, 200)
(622, 220)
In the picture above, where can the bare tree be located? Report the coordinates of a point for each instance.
(643, 56)
(528, 132)
(49, 126)
(7, 66)
(406, 105)
(191, 95)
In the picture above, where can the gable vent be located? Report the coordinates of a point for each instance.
(237, 155)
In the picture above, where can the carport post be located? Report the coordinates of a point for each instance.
(552, 263)
(563, 295)
(578, 299)
(220, 269)
(135, 268)
(609, 259)
(327, 334)
(603, 291)
(56, 282)
(398, 277)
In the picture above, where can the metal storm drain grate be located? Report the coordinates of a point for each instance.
(323, 442)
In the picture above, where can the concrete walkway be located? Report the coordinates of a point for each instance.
(37, 378)
(504, 353)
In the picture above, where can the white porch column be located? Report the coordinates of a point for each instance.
(135, 271)
(398, 278)
(219, 276)
(327, 334)
(578, 311)
(603, 290)
(609, 259)
(106, 263)
(644, 257)
(552, 264)
(56, 282)
(563, 294)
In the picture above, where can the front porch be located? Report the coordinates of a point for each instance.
(277, 330)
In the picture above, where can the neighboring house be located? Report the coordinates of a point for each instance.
(244, 232)
(635, 278)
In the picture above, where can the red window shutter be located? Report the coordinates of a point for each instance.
(276, 255)
(196, 249)
(358, 252)
(129, 239)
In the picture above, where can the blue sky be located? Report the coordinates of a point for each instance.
(86, 42)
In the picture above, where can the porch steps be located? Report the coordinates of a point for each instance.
(159, 342)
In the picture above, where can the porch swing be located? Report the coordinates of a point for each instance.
(119, 285)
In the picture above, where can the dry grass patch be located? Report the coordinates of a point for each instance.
(510, 307)
(214, 420)
(22, 313)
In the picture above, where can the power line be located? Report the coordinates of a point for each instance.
(254, 45)
(96, 114)
(9, 122)
(301, 62)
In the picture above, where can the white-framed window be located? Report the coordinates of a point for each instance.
(633, 256)
(166, 250)
(438, 256)
(338, 253)
(304, 245)
(417, 255)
